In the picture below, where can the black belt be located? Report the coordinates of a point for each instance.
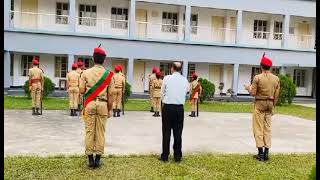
(173, 105)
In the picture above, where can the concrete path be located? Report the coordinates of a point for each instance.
(138, 133)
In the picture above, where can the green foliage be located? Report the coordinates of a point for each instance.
(208, 89)
(312, 175)
(287, 90)
(127, 92)
(48, 87)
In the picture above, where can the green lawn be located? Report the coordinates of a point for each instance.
(204, 166)
(11, 102)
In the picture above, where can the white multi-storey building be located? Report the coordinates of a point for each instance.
(221, 40)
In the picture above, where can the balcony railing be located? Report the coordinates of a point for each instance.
(149, 30)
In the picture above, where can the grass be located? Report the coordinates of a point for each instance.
(11, 102)
(200, 166)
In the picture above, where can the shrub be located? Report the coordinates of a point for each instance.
(127, 92)
(287, 90)
(208, 89)
(48, 87)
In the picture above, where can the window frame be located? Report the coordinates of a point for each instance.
(193, 24)
(25, 66)
(87, 17)
(119, 19)
(165, 68)
(299, 78)
(60, 70)
(191, 70)
(260, 29)
(11, 64)
(277, 30)
(255, 71)
(275, 71)
(61, 17)
(12, 9)
(87, 61)
(170, 21)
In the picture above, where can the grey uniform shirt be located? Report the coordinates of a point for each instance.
(174, 89)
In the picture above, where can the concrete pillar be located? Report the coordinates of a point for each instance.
(285, 29)
(180, 23)
(72, 15)
(187, 28)
(130, 70)
(185, 68)
(282, 70)
(132, 19)
(239, 27)
(6, 15)
(271, 30)
(70, 61)
(227, 22)
(235, 79)
(6, 70)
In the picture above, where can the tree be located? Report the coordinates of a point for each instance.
(287, 90)
(48, 87)
(208, 89)
(127, 92)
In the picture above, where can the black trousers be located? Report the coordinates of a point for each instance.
(172, 118)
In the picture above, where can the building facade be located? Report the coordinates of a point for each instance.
(221, 40)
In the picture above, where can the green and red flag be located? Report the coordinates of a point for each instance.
(97, 88)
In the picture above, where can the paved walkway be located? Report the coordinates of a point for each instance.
(138, 132)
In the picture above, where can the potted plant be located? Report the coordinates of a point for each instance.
(221, 85)
(231, 92)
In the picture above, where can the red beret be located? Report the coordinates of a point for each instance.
(74, 66)
(266, 61)
(99, 50)
(80, 63)
(117, 68)
(194, 74)
(120, 66)
(35, 62)
(155, 69)
(159, 73)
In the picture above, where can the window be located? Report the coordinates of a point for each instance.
(119, 18)
(193, 22)
(88, 62)
(191, 69)
(60, 68)
(12, 8)
(62, 12)
(291, 30)
(260, 29)
(277, 35)
(169, 22)
(275, 71)
(26, 64)
(165, 68)
(255, 71)
(87, 15)
(11, 63)
(299, 77)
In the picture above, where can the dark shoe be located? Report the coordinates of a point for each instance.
(260, 155)
(155, 114)
(266, 154)
(191, 114)
(34, 111)
(118, 112)
(97, 162)
(114, 113)
(91, 160)
(151, 110)
(75, 112)
(37, 111)
(178, 159)
(158, 114)
(163, 159)
(71, 112)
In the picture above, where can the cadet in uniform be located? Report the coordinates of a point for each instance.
(79, 71)
(195, 89)
(118, 84)
(35, 86)
(156, 86)
(73, 89)
(265, 88)
(152, 76)
(94, 84)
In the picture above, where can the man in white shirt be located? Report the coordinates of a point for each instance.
(174, 90)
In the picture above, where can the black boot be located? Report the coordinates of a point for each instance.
(91, 160)
(266, 154)
(34, 111)
(118, 112)
(114, 113)
(97, 162)
(158, 113)
(260, 155)
(71, 112)
(75, 112)
(191, 115)
(37, 111)
(155, 114)
(151, 109)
